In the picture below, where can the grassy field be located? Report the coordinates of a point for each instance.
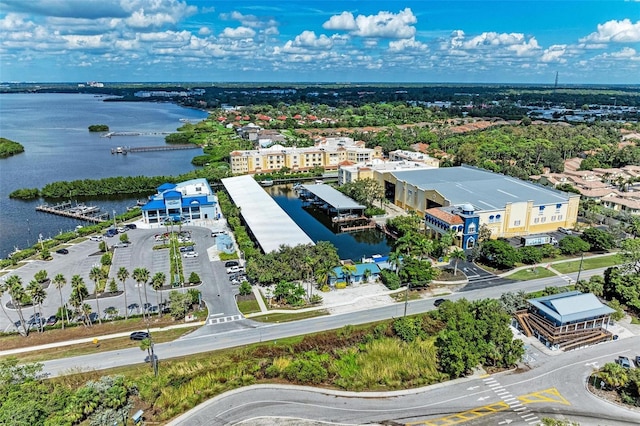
(530, 274)
(99, 347)
(248, 306)
(286, 317)
(588, 263)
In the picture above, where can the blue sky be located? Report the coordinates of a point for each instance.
(480, 41)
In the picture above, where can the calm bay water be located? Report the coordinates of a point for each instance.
(53, 128)
(317, 225)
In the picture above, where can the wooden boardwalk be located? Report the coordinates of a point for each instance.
(125, 149)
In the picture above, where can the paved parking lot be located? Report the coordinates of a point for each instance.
(217, 292)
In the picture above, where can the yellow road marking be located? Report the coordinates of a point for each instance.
(465, 416)
(546, 395)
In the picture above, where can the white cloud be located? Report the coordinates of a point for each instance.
(310, 40)
(554, 53)
(626, 54)
(204, 31)
(407, 44)
(615, 31)
(240, 32)
(251, 21)
(383, 25)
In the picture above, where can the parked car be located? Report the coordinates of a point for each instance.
(110, 233)
(623, 361)
(96, 238)
(185, 249)
(230, 263)
(638, 361)
(565, 231)
(217, 232)
(52, 320)
(234, 269)
(438, 302)
(130, 226)
(62, 251)
(121, 244)
(139, 335)
(190, 254)
(146, 306)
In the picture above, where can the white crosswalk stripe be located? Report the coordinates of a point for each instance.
(222, 320)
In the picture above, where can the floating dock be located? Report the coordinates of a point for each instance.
(78, 211)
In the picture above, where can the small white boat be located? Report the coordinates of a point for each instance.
(267, 182)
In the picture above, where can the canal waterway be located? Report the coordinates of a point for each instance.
(318, 226)
(53, 128)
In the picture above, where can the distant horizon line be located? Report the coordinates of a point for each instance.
(310, 83)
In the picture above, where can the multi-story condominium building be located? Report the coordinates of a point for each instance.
(327, 153)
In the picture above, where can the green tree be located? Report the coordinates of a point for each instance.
(289, 293)
(41, 276)
(37, 295)
(499, 254)
(630, 254)
(157, 282)
(245, 289)
(122, 275)
(530, 255)
(97, 275)
(141, 276)
(79, 293)
(572, 244)
(179, 304)
(18, 298)
(59, 281)
(598, 239)
(194, 278)
(614, 375)
(124, 238)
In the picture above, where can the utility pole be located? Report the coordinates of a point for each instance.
(406, 299)
(580, 268)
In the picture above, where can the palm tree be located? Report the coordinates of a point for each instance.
(78, 295)
(14, 287)
(456, 255)
(158, 280)
(38, 295)
(122, 275)
(96, 275)
(141, 276)
(3, 289)
(347, 271)
(60, 281)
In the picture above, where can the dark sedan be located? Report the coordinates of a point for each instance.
(139, 335)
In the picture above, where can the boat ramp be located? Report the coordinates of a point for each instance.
(77, 211)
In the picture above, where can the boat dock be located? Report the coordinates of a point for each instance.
(127, 149)
(370, 225)
(79, 211)
(111, 134)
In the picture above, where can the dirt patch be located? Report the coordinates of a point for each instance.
(610, 396)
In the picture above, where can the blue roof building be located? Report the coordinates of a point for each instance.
(359, 275)
(566, 320)
(181, 202)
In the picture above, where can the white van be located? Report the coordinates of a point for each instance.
(217, 232)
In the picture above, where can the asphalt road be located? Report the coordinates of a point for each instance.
(553, 386)
(213, 337)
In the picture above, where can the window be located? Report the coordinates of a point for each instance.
(516, 223)
(558, 206)
(553, 218)
(497, 218)
(492, 219)
(559, 217)
(472, 228)
(470, 243)
(536, 220)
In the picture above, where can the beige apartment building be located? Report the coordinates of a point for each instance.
(327, 153)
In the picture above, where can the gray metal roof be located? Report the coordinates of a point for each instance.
(333, 197)
(270, 225)
(570, 307)
(484, 189)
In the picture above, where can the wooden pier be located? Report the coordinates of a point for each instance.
(79, 211)
(370, 225)
(125, 149)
